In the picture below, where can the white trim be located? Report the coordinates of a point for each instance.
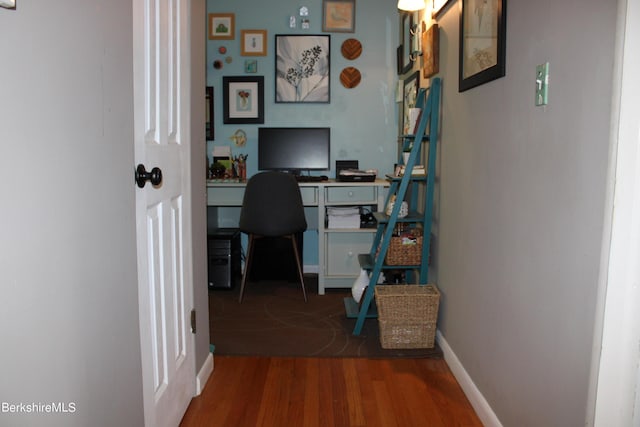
(477, 400)
(204, 374)
(614, 387)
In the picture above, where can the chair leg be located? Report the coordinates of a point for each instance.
(247, 264)
(299, 264)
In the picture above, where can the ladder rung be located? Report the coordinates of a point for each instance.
(412, 217)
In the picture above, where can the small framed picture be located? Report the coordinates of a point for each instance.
(243, 99)
(253, 42)
(430, 50)
(222, 26)
(251, 66)
(339, 16)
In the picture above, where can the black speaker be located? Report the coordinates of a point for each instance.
(224, 253)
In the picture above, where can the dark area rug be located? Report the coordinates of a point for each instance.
(274, 320)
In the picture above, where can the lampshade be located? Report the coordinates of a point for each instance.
(411, 4)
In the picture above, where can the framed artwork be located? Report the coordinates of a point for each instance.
(8, 4)
(243, 99)
(339, 16)
(209, 113)
(302, 68)
(222, 26)
(430, 50)
(438, 7)
(482, 42)
(411, 85)
(251, 66)
(253, 42)
(406, 23)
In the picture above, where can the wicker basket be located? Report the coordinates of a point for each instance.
(407, 315)
(404, 251)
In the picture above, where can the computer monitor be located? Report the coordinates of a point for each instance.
(294, 149)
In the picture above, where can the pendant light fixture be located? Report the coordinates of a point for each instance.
(411, 5)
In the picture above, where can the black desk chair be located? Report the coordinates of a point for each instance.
(272, 207)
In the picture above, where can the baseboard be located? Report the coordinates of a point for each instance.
(204, 374)
(477, 400)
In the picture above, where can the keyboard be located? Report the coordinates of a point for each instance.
(309, 178)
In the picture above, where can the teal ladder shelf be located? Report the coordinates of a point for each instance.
(429, 101)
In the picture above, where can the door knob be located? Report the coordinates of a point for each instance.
(142, 176)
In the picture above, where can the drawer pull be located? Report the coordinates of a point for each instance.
(350, 193)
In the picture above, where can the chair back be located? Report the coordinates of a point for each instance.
(272, 205)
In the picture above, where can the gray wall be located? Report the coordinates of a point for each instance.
(69, 328)
(520, 210)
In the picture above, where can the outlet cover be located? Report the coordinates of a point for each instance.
(542, 84)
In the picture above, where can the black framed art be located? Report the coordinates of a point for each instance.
(209, 113)
(302, 68)
(483, 30)
(243, 99)
(410, 96)
(406, 25)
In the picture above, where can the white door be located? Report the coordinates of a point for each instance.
(161, 111)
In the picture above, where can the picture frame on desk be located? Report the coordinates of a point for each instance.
(243, 98)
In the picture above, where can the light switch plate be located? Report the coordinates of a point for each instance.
(542, 84)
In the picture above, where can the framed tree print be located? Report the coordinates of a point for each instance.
(302, 68)
(483, 29)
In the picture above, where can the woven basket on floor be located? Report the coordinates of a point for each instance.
(404, 251)
(407, 315)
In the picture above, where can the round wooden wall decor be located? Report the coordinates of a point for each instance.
(351, 48)
(350, 77)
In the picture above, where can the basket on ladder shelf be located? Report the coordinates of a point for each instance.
(407, 315)
(405, 249)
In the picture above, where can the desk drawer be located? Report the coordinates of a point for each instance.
(342, 252)
(355, 194)
(225, 196)
(309, 196)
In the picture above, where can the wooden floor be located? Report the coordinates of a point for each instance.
(340, 392)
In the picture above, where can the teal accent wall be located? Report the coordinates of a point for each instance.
(363, 120)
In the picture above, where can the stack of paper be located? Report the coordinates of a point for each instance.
(343, 217)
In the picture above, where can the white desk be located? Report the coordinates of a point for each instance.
(338, 249)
